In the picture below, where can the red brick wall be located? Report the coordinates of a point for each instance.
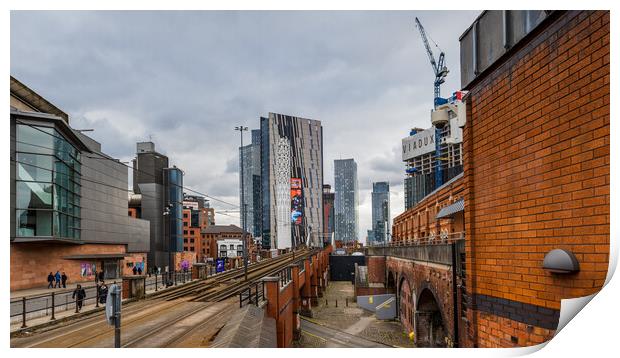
(32, 262)
(133, 259)
(536, 153)
(376, 269)
(419, 221)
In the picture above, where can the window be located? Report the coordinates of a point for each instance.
(222, 247)
(185, 241)
(185, 223)
(191, 232)
(239, 247)
(232, 246)
(185, 215)
(191, 241)
(184, 232)
(47, 184)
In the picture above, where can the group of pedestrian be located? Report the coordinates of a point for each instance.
(137, 270)
(57, 280)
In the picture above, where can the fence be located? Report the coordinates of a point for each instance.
(49, 304)
(427, 240)
(252, 296)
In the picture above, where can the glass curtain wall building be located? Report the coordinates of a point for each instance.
(380, 212)
(48, 183)
(291, 181)
(346, 200)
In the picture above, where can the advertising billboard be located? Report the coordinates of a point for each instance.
(296, 201)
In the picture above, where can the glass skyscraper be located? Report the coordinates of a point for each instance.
(346, 200)
(380, 212)
(291, 181)
(249, 156)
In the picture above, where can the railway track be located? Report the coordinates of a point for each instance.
(183, 316)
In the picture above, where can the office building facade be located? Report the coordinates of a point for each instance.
(291, 181)
(381, 221)
(346, 200)
(158, 195)
(68, 206)
(249, 156)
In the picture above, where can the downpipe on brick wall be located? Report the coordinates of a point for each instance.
(455, 312)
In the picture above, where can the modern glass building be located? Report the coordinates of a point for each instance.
(346, 200)
(48, 183)
(174, 203)
(249, 156)
(291, 181)
(380, 212)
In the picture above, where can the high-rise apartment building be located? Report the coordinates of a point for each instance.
(291, 181)
(346, 200)
(380, 212)
(249, 156)
(328, 214)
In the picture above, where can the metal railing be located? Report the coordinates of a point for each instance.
(162, 280)
(49, 304)
(427, 240)
(285, 276)
(253, 294)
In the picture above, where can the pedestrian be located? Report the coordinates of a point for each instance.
(57, 277)
(101, 276)
(135, 270)
(79, 294)
(50, 281)
(139, 270)
(63, 279)
(96, 277)
(103, 293)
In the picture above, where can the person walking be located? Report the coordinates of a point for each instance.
(103, 293)
(135, 270)
(50, 280)
(101, 276)
(78, 294)
(139, 270)
(57, 277)
(63, 279)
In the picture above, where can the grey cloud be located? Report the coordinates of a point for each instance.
(188, 77)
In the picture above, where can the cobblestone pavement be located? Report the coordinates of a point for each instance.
(337, 309)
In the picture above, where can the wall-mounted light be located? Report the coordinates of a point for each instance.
(561, 262)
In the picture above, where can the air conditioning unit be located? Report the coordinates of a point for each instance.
(439, 117)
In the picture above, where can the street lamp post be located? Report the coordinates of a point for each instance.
(241, 129)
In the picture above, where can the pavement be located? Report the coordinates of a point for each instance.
(39, 302)
(338, 315)
(334, 338)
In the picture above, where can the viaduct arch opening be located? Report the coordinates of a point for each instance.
(430, 327)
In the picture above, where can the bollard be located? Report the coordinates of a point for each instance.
(97, 299)
(346, 301)
(155, 282)
(53, 306)
(24, 312)
(336, 303)
(326, 303)
(256, 294)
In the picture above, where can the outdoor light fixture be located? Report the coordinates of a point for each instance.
(561, 262)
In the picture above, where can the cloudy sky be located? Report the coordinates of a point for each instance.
(185, 79)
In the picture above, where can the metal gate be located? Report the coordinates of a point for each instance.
(342, 268)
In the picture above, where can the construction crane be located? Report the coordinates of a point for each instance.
(440, 70)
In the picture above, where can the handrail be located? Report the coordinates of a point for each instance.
(427, 240)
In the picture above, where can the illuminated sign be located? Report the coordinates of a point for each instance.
(296, 201)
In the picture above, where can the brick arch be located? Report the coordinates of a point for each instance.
(431, 323)
(392, 280)
(405, 297)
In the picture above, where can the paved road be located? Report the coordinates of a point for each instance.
(338, 339)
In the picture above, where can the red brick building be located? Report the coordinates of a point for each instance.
(212, 235)
(536, 171)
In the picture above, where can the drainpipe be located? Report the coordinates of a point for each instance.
(455, 306)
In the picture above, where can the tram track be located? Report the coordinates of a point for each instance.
(171, 318)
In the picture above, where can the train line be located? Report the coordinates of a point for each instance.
(185, 316)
